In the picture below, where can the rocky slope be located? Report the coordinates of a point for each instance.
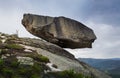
(65, 32)
(35, 58)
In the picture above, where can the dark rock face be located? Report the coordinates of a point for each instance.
(65, 32)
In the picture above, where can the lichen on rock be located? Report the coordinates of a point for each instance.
(25, 60)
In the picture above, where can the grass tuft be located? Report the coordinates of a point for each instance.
(39, 58)
(14, 46)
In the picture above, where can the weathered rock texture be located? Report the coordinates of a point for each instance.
(62, 31)
(28, 52)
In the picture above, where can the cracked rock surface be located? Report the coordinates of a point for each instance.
(65, 32)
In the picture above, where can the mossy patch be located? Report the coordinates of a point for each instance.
(14, 46)
(39, 58)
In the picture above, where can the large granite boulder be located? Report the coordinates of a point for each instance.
(65, 32)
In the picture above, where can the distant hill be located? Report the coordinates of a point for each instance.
(109, 66)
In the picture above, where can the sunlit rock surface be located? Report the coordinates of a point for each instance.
(65, 32)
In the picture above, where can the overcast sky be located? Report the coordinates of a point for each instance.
(103, 16)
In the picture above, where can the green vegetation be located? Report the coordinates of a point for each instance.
(3, 51)
(14, 64)
(39, 58)
(7, 72)
(10, 67)
(1, 63)
(72, 74)
(0, 41)
(66, 74)
(14, 46)
(13, 69)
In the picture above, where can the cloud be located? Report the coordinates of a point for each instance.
(11, 12)
(100, 11)
(101, 15)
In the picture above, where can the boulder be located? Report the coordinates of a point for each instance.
(65, 32)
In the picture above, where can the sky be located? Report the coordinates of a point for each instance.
(103, 16)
